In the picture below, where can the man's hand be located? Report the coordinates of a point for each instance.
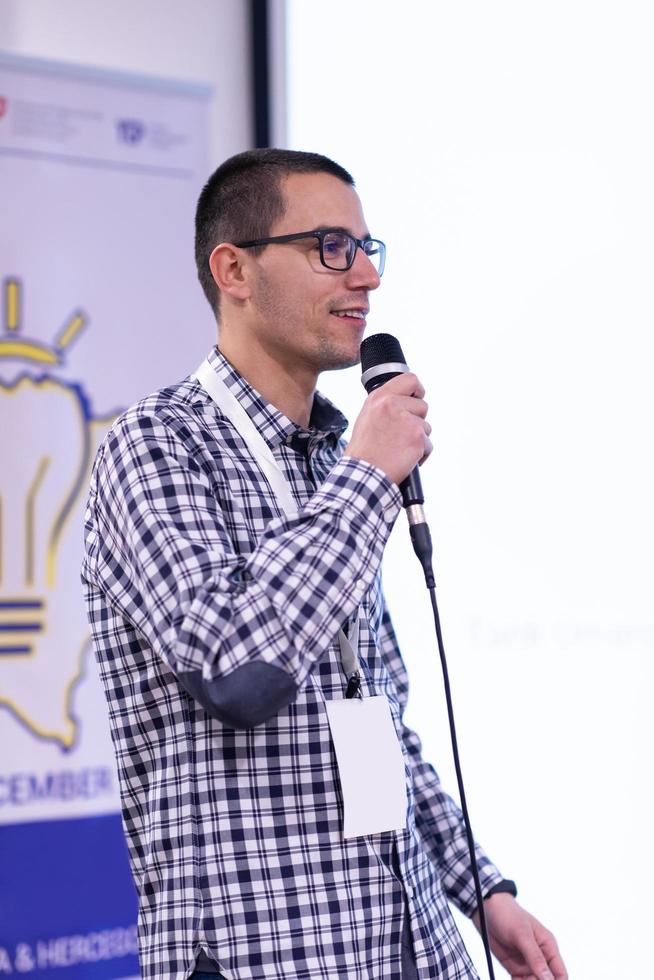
(522, 945)
(390, 431)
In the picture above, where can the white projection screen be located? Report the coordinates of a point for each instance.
(505, 152)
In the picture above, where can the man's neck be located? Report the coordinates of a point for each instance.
(291, 392)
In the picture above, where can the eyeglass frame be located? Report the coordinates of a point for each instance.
(320, 233)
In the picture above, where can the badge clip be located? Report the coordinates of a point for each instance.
(353, 685)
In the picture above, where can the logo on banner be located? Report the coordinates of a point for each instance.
(48, 439)
(3, 106)
(130, 131)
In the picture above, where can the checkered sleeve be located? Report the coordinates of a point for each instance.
(240, 632)
(439, 820)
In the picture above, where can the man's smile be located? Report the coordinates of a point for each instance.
(352, 313)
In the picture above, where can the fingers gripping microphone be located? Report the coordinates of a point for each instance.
(381, 360)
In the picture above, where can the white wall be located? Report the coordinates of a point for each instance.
(505, 153)
(204, 41)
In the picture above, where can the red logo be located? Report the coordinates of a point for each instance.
(3, 106)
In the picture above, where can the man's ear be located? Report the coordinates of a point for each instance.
(227, 268)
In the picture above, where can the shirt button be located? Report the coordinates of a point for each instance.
(389, 515)
(239, 577)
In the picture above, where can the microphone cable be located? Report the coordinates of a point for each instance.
(462, 793)
(382, 359)
(422, 546)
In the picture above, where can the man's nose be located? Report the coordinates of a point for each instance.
(362, 274)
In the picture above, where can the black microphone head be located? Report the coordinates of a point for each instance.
(381, 360)
(380, 348)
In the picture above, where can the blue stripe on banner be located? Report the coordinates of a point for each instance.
(20, 604)
(21, 627)
(67, 903)
(134, 168)
(105, 76)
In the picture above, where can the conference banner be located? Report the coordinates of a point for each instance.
(99, 174)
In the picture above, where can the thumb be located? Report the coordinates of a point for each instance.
(534, 958)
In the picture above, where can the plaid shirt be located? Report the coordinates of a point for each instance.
(214, 619)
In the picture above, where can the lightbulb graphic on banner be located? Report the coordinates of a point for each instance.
(47, 443)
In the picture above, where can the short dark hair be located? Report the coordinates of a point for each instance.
(243, 199)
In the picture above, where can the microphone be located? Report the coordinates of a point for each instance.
(381, 360)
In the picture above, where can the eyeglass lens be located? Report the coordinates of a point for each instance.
(338, 251)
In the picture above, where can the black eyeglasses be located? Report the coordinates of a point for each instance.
(338, 249)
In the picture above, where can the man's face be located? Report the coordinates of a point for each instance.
(298, 307)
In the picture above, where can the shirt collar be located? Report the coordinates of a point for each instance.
(326, 421)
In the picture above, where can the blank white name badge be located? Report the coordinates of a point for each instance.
(370, 765)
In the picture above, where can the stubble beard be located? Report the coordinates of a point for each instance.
(334, 358)
(286, 322)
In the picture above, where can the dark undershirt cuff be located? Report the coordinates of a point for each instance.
(506, 885)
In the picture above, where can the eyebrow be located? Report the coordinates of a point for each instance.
(341, 228)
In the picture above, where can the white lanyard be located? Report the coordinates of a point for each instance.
(232, 409)
(372, 778)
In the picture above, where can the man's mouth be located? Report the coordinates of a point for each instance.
(350, 314)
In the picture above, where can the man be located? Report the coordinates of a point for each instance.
(229, 538)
